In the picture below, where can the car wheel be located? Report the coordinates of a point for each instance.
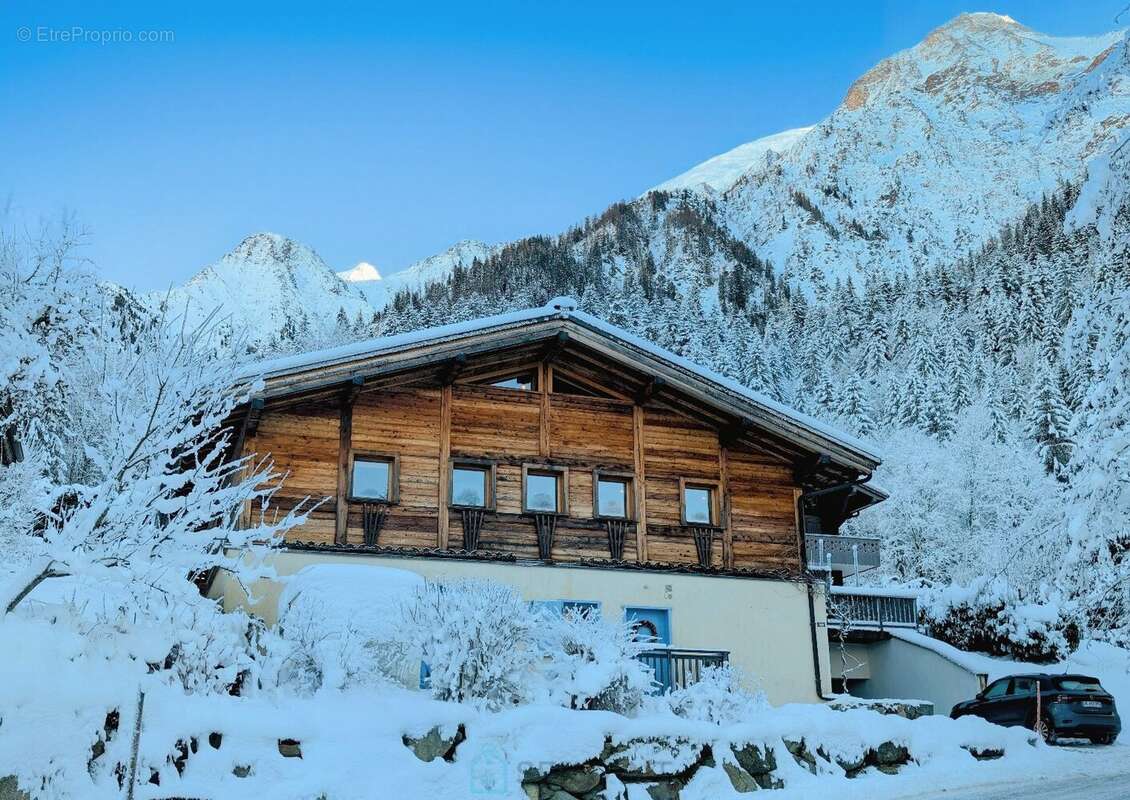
(1106, 738)
(1047, 732)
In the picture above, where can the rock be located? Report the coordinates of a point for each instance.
(665, 790)
(10, 789)
(215, 739)
(290, 748)
(434, 744)
(241, 770)
(800, 753)
(533, 775)
(909, 709)
(888, 769)
(665, 758)
(181, 761)
(556, 794)
(531, 790)
(984, 753)
(755, 760)
(575, 780)
(740, 779)
(891, 753)
(851, 765)
(97, 750)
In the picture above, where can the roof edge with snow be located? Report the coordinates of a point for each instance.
(298, 370)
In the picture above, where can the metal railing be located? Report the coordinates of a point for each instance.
(848, 555)
(871, 609)
(677, 668)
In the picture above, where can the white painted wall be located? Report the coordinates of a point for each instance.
(905, 671)
(763, 623)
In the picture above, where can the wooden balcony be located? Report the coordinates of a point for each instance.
(857, 608)
(677, 668)
(848, 555)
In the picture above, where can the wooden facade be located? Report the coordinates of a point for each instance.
(427, 430)
(584, 416)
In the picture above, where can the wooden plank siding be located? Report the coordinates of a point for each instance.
(763, 511)
(405, 424)
(428, 428)
(302, 441)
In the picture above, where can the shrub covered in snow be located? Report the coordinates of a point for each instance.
(339, 628)
(718, 697)
(990, 619)
(594, 664)
(479, 640)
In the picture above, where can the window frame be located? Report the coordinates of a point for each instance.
(392, 460)
(562, 475)
(482, 465)
(488, 378)
(715, 488)
(629, 481)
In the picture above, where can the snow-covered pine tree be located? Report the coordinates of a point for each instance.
(1097, 514)
(1049, 421)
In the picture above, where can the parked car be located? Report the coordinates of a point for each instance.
(1071, 706)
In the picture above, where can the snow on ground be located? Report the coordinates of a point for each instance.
(351, 742)
(67, 673)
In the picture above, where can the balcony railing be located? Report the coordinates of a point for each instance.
(676, 669)
(848, 555)
(851, 607)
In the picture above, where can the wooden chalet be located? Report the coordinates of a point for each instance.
(541, 444)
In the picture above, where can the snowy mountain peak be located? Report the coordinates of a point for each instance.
(980, 21)
(364, 271)
(268, 285)
(433, 269)
(265, 248)
(978, 55)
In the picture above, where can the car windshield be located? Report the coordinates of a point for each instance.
(1078, 684)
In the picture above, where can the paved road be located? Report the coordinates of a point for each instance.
(1105, 787)
(1101, 773)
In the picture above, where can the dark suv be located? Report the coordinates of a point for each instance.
(1070, 706)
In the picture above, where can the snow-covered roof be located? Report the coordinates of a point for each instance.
(565, 309)
(386, 344)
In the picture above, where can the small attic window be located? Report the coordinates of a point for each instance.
(526, 381)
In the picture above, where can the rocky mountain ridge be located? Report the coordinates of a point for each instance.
(930, 153)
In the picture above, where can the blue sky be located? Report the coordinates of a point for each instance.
(387, 133)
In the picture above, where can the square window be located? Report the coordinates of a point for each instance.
(371, 479)
(698, 505)
(543, 491)
(612, 497)
(470, 486)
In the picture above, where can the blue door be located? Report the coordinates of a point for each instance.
(653, 625)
